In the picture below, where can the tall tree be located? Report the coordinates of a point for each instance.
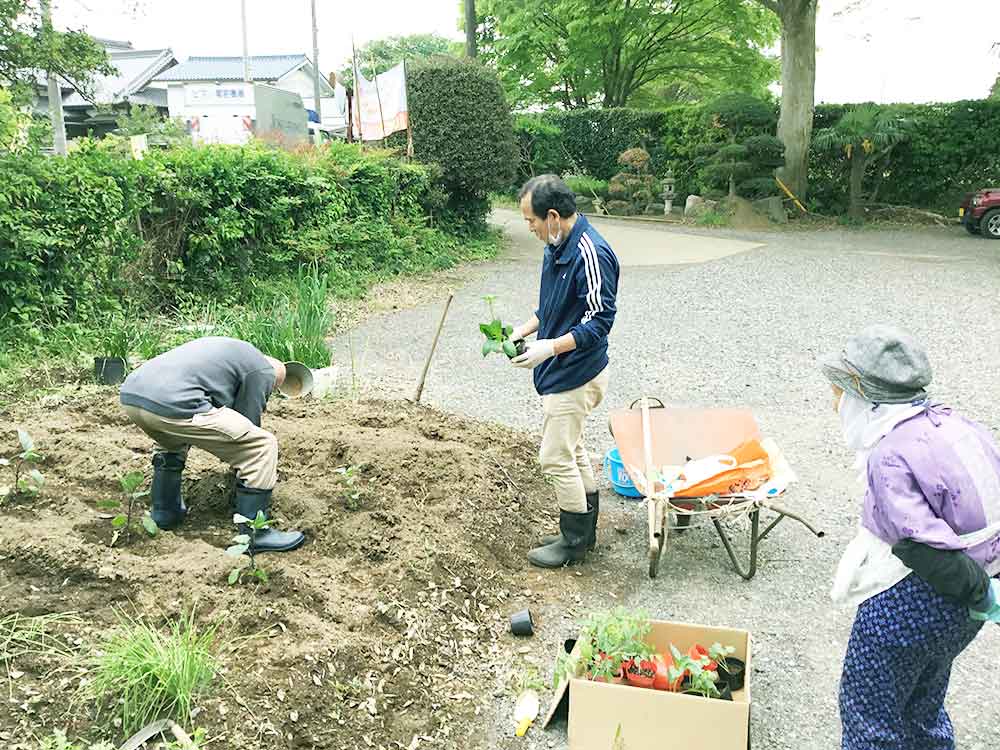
(28, 47)
(470, 28)
(798, 86)
(581, 53)
(378, 55)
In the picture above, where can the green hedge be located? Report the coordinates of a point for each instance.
(462, 123)
(97, 231)
(954, 148)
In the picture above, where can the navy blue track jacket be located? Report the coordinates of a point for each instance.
(578, 289)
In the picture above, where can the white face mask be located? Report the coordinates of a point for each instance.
(555, 239)
(854, 418)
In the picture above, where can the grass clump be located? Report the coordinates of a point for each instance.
(143, 673)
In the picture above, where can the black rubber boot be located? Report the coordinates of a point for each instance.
(249, 502)
(574, 533)
(593, 504)
(168, 509)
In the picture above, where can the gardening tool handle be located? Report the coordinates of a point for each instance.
(648, 398)
(430, 355)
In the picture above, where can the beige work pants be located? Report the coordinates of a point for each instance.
(225, 433)
(564, 459)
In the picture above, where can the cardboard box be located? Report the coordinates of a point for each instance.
(647, 719)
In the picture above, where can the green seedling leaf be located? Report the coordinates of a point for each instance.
(507, 331)
(484, 329)
(119, 521)
(237, 550)
(238, 519)
(260, 522)
(509, 349)
(31, 457)
(496, 330)
(149, 525)
(37, 477)
(131, 481)
(107, 504)
(234, 576)
(487, 347)
(261, 575)
(27, 444)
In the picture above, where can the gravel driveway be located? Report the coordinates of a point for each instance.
(739, 330)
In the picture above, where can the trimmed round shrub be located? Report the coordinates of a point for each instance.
(462, 123)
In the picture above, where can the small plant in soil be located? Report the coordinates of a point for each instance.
(122, 523)
(141, 673)
(351, 491)
(498, 335)
(244, 545)
(28, 480)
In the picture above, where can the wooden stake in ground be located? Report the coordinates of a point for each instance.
(430, 355)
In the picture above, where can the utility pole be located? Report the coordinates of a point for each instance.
(55, 94)
(246, 53)
(470, 28)
(316, 88)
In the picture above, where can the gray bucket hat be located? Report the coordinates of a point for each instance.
(298, 380)
(882, 364)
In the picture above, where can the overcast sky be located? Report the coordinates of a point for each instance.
(885, 50)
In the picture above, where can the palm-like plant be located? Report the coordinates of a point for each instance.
(864, 133)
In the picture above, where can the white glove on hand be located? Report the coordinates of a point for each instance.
(535, 352)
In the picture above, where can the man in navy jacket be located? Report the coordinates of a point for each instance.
(569, 357)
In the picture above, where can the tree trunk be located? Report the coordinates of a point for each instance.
(798, 89)
(858, 162)
(470, 28)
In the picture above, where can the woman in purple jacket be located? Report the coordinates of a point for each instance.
(922, 568)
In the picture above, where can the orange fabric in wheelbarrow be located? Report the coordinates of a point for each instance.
(753, 468)
(679, 434)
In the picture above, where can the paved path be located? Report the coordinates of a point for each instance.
(739, 328)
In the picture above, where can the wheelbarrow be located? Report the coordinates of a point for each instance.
(652, 436)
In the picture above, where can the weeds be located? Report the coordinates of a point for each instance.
(352, 493)
(58, 741)
(245, 545)
(21, 635)
(713, 219)
(293, 328)
(142, 673)
(123, 521)
(32, 482)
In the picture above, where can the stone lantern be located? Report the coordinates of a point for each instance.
(668, 192)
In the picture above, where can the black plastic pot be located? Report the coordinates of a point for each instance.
(109, 370)
(725, 692)
(521, 623)
(733, 672)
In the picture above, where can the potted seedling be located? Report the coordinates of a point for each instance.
(731, 670)
(28, 480)
(498, 335)
(115, 340)
(612, 647)
(244, 545)
(122, 522)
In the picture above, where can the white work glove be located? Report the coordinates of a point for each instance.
(535, 352)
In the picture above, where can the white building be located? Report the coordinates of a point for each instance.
(289, 72)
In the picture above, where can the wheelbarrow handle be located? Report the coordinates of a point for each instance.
(784, 511)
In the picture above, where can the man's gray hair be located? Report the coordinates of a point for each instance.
(548, 192)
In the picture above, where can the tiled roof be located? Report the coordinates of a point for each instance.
(262, 68)
(135, 70)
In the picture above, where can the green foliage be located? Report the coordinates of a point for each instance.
(28, 45)
(633, 188)
(243, 544)
(587, 187)
(712, 219)
(59, 741)
(83, 234)
(122, 522)
(147, 120)
(738, 114)
(351, 491)
(539, 144)
(141, 673)
(387, 53)
(28, 480)
(497, 334)
(583, 53)
(462, 123)
(607, 640)
(294, 327)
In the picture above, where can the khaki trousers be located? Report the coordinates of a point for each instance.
(225, 433)
(564, 459)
